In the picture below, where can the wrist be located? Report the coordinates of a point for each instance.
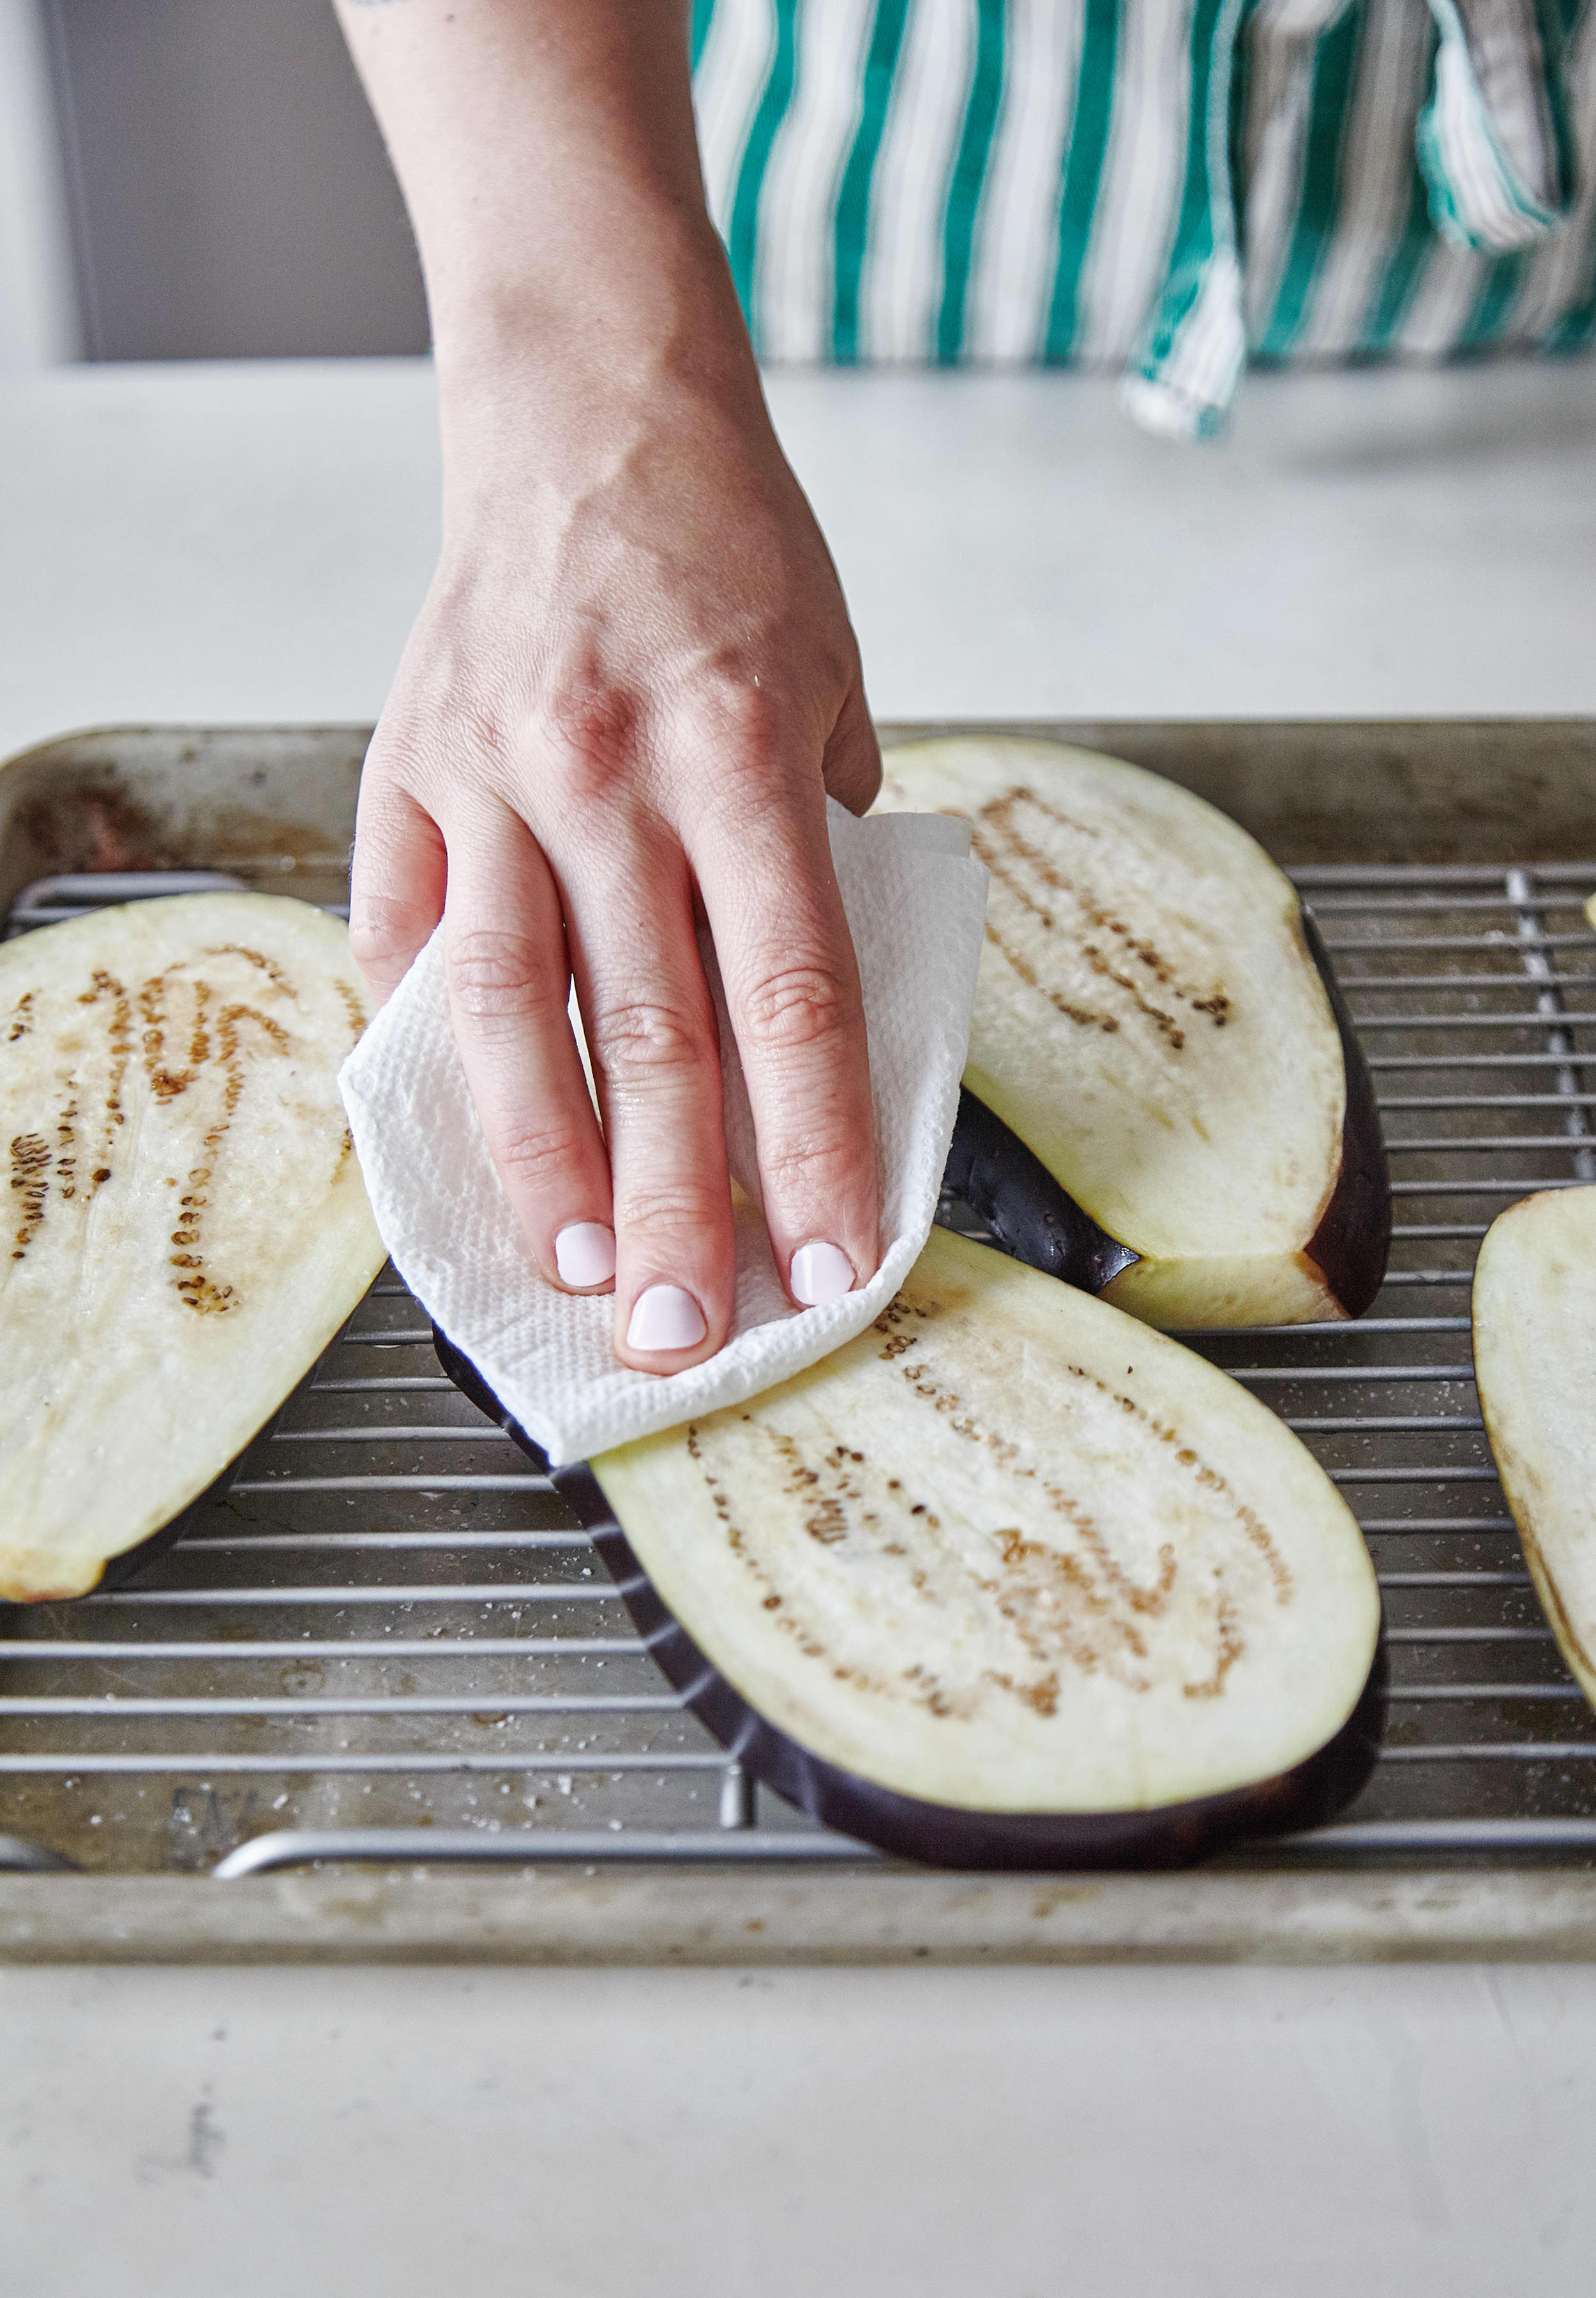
(613, 311)
(551, 386)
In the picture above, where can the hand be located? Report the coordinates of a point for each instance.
(630, 687)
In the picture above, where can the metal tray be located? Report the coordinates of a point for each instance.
(386, 1644)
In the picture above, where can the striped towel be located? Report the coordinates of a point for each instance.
(1173, 185)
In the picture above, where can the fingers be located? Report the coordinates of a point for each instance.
(652, 1037)
(396, 883)
(645, 1202)
(792, 991)
(852, 766)
(508, 984)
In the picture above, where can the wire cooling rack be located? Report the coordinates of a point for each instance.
(387, 1641)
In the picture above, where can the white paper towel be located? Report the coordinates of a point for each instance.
(916, 902)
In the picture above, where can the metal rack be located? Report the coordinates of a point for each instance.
(386, 1642)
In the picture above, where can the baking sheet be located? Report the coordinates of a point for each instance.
(393, 1547)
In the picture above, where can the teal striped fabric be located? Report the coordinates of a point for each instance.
(1174, 185)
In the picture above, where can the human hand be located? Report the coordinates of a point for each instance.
(632, 684)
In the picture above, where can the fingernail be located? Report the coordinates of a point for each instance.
(666, 1317)
(821, 1272)
(584, 1253)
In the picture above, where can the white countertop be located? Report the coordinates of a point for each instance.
(219, 544)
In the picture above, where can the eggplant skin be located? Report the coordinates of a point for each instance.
(1352, 1242)
(1156, 1019)
(1534, 1352)
(1173, 1835)
(1170, 1835)
(190, 1043)
(1027, 1210)
(118, 1570)
(1033, 1216)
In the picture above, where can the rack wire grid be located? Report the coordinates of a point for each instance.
(386, 1640)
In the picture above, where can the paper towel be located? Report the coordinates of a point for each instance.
(916, 902)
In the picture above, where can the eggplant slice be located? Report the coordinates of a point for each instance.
(1165, 1100)
(1009, 1580)
(1535, 1361)
(188, 1225)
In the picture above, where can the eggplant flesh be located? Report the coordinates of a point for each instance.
(1157, 1024)
(189, 1228)
(1535, 1361)
(1009, 1580)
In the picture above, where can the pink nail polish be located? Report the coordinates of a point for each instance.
(666, 1317)
(584, 1253)
(821, 1272)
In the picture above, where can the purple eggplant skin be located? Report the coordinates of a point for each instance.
(936, 1835)
(118, 1570)
(1029, 1213)
(1351, 1244)
(1033, 1216)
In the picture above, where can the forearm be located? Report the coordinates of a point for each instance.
(546, 153)
(630, 689)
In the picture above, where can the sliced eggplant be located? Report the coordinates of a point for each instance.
(189, 1228)
(1534, 1359)
(1156, 1023)
(1009, 1580)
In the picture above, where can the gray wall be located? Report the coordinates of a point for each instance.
(229, 194)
